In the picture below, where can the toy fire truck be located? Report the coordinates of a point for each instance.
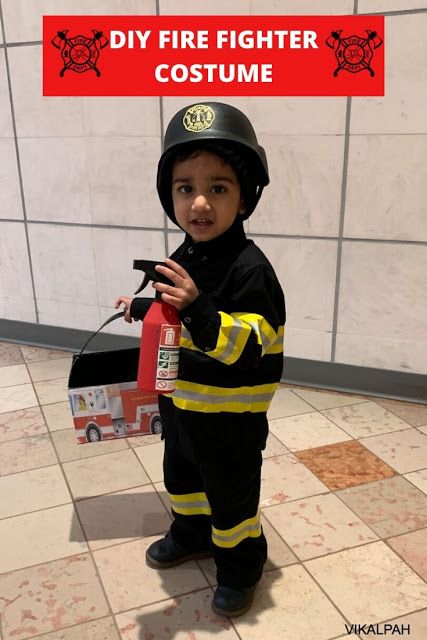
(103, 412)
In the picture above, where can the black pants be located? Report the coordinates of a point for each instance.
(215, 499)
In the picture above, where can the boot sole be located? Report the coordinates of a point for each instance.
(156, 564)
(232, 614)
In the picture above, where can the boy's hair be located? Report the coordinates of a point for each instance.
(230, 154)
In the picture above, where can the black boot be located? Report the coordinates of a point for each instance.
(166, 553)
(231, 602)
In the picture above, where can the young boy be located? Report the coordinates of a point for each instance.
(210, 177)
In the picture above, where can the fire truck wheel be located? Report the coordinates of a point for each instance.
(93, 434)
(156, 425)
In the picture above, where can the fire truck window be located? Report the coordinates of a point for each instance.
(99, 399)
(79, 403)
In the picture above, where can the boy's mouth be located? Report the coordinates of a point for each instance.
(201, 223)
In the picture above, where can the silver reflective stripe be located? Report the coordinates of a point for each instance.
(185, 333)
(190, 505)
(265, 340)
(211, 399)
(232, 339)
(227, 538)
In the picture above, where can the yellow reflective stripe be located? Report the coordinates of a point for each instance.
(277, 346)
(264, 332)
(228, 538)
(232, 339)
(190, 504)
(210, 399)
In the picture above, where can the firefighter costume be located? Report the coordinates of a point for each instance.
(231, 360)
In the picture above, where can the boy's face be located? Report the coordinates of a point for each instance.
(206, 196)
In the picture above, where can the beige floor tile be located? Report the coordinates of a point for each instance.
(274, 447)
(37, 354)
(143, 441)
(32, 490)
(319, 525)
(286, 403)
(58, 416)
(307, 431)
(123, 516)
(49, 532)
(405, 450)
(418, 478)
(129, 583)
(413, 413)
(289, 605)
(390, 507)
(369, 583)
(14, 375)
(422, 429)
(182, 618)
(69, 449)
(284, 478)
(321, 399)
(10, 354)
(26, 453)
(50, 369)
(52, 391)
(104, 629)
(163, 495)
(104, 474)
(367, 419)
(412, 547)
(49, 597)
(417, 623)
(152, 460)
(15, 398)
(22, 423)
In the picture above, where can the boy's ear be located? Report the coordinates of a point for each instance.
(242, 208)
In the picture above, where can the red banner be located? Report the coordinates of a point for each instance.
(213, 55)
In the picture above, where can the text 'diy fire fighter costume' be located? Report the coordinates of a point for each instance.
(215, 422)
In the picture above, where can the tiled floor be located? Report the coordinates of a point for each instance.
(344, 509)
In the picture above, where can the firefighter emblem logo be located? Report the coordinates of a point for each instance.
(198, 118)
(354, 53)
(80, 53)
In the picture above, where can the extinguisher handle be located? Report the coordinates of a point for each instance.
(148, 266)
(120, 314)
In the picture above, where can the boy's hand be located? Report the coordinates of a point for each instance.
(184, 292)
(127, 302)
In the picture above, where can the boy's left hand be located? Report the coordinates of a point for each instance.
(184, 292)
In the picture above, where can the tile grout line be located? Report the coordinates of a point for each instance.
(18, 166)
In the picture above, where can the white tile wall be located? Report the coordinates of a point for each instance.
(402, 110)
(301, 7)
(10, 194)
(122, 175)
(69, 314)
(6, 130)
(386, 188)
(115, 251)
(36, 116)
(55, 179)
(304, 194)
(119, 327)
(110, 116)
(369, 6)
(64, 264)
(194, 7)
(409, 356)
(302, 343)
(382, 301)
(23, 19)
(306, 270)
(16, 294)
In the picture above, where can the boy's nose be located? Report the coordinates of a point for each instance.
(200, 203)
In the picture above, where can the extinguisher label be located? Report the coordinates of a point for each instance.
(167, 357)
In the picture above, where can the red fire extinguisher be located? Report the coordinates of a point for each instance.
(161, 332)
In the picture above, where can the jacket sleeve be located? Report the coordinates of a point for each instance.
(139, 307)
(243, 336)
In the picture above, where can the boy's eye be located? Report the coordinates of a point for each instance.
(184, 188)
(218, 188)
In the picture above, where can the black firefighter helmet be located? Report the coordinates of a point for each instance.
(220, 125)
